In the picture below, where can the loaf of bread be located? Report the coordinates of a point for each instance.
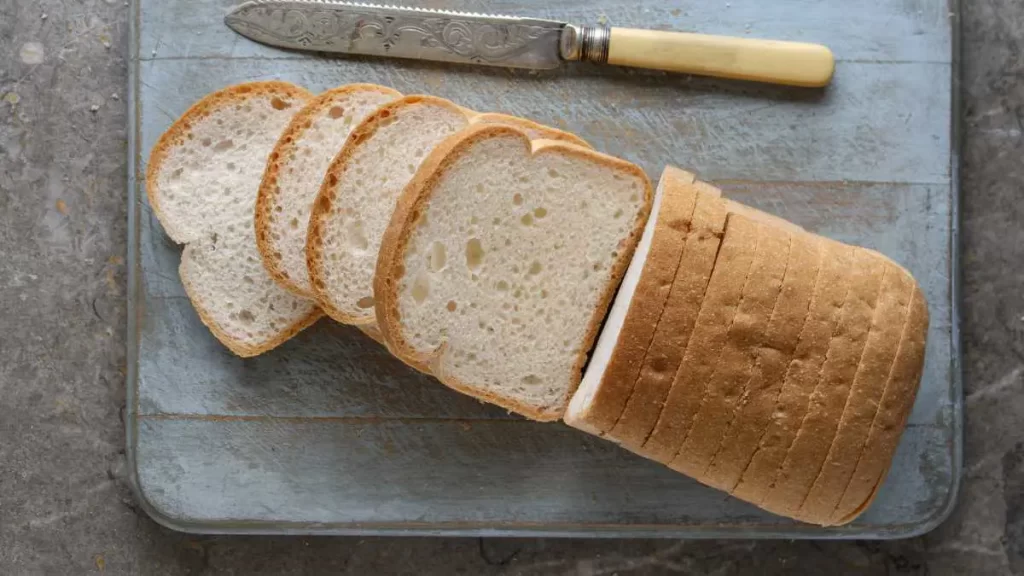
(501, 260)
(362, 186)
(777, 365)
(732, 346)
(202, 180)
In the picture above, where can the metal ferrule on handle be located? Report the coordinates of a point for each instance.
(586, 43)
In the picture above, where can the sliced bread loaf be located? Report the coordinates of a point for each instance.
(801, 376)
(662, 358)
(766, 378)
(202, 180)
(296, 169)
(362, 185)
(864, 397)
(825, 405)
(891, 417)
(639, 303)
(724, 290)
(501, 260)
(744, 337)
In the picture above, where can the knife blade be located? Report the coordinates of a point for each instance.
(468, 38)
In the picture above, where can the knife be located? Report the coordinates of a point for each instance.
(425, 34)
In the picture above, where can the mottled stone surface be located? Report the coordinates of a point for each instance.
(64, 505)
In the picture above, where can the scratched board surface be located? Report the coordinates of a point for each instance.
(328, 434)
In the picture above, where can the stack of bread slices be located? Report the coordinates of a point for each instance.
(516, 264)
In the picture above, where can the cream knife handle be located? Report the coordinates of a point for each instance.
(789, 63)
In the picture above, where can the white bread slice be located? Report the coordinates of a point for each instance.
(891, 417)
(296, 169)
(802, 374)
(501, 260)
(362, 185)
(202, 181)
(615, 363)
(865, 395)
(762, 390)
(745, 335)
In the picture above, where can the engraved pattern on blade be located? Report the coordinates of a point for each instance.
(400, 32)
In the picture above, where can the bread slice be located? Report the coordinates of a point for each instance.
(762, 390)
(744, 337)
(615, 363)
(501, 260)
(830, 292)
(675, 327)
(845, 351)
(891, 416)
(869, 383)
(362, 185)
(295, 171)
(202, 181)
(732, 267)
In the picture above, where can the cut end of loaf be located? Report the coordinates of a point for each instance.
(580, 411)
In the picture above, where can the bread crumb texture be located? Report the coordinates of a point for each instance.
(510, 260)
(203, 177)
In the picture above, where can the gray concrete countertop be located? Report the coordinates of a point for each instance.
(65, 507)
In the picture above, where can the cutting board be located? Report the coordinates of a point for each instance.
(328, 434)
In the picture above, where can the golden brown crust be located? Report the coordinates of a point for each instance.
(765, 383)
(722, 297)
(862, 403)
(176, 135)
(676, 325)
(538, 131)
(806, 456)
(891, 416)
(744, 337)
(645, 307)
(240, 349)
(327, 197)
(802, 373)
(373, 332)
(390, 260)
(763, 217)
(282, 154)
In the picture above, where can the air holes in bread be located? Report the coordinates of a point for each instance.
(420, 288)
(438, 257)
(356, 236)
(474, 254)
